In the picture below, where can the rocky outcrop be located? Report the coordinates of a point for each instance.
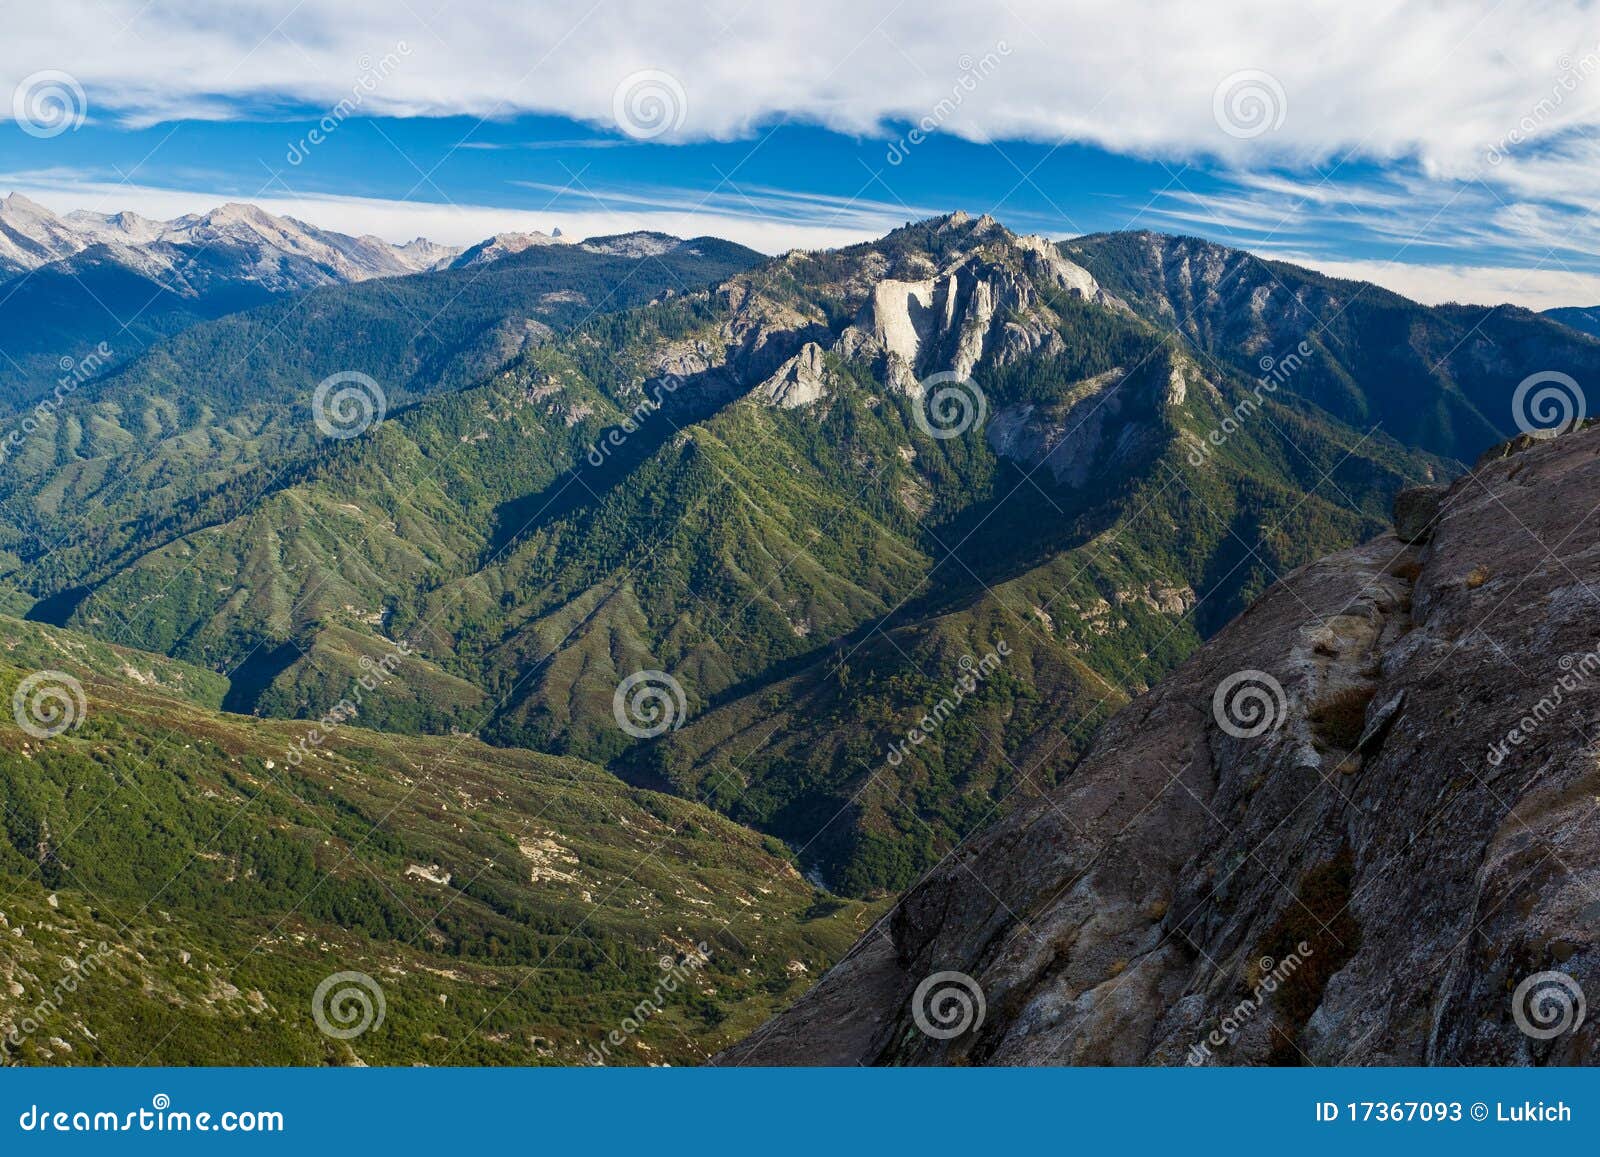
(1416, 511)
(798, 381)
(1361, 825)
(500, 245)
(982, 302)
(1045, 263)
(942, 323)
(642, 243)
(1097, 425)
(902, 316)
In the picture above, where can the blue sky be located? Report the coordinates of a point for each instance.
(557, 169)
(1463, 180)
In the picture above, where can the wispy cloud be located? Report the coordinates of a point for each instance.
(1393, 212)
(854, 217)
(576, 212)
(543, 146)
(1538, 288)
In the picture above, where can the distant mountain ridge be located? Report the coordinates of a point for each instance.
(280, 252)
(111, 284)
(106, 286)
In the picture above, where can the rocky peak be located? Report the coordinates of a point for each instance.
(420, 253)
(639, 244)
(244, 243)
(240, 213)
(15, 205)
(983, 297)
(126, 227)
(1354, 827)
(972, 227)
(501, 245)
(798, 382)
(31, 235)
(942, 295)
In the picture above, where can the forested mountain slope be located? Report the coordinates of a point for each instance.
(203, 874)
(1436, 378)
(206, 423)
(1585, 320)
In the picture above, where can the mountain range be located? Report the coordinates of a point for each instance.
(278, 253)
(886, 535)
(104, 287)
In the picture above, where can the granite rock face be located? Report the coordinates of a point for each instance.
(1361, 825)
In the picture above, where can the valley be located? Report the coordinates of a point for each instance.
(802, 498)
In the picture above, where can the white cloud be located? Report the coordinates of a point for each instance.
(1478, 242)
(1442, 82)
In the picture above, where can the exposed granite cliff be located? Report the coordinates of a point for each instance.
(1373, 865)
